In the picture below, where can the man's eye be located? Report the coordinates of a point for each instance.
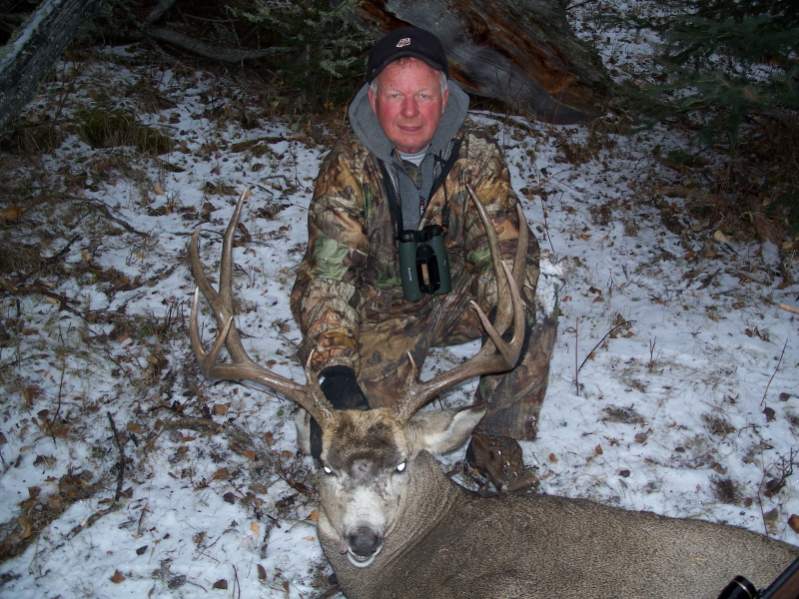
(401, 467)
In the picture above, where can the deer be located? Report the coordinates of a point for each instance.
(393, 525)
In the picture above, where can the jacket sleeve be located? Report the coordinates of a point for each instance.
(324, 293)
(491, 184)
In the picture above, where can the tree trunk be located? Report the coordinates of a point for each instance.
(521, 52)
(29, 56)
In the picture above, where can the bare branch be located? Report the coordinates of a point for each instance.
(205, 50)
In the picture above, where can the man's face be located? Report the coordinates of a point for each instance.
(409, 103)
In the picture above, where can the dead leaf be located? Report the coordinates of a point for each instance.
(259, 488)
(313, 516)
(220, 409)
(11, 214)
(793, 522)
(261, 572)
(553, 459)
(117, 577)
(720, 237)
(221, 584)
(221, 474)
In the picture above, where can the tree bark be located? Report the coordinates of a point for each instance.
(30, 55)
(521, 52)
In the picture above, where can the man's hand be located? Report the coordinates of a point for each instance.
(342, 390)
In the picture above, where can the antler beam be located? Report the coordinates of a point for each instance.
(241, 367)
(496, 355)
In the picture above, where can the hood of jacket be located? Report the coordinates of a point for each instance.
(410, 189)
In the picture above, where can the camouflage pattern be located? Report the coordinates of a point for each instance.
(348, 298)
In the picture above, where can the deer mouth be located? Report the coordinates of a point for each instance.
(362, 561)
(363, 545)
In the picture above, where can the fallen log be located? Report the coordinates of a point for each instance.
(27, 58)
(520, 52)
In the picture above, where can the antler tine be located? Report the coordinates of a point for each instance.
(496, 355)
(504, 314)
(241, 368)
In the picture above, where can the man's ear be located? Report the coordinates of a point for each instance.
(443, 431)
(372, 97)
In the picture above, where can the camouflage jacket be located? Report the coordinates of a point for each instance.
(350, 268)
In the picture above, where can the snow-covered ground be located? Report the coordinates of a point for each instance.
(673, 386)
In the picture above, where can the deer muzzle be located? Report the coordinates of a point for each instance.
(363, 545)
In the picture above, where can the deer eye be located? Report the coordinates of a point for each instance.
(401, 467)
(328, 470)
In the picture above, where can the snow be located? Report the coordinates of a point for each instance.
(662, 371)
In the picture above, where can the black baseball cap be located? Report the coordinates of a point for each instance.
(406, 41)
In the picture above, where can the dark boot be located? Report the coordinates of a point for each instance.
(500, 460)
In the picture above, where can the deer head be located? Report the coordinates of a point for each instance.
(367, 456)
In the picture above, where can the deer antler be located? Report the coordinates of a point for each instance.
(241, 367)
(496, 355)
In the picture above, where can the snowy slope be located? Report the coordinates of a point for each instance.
(673, 386)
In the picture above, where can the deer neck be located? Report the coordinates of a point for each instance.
(430, 499)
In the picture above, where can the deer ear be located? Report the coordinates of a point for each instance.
(442, 431)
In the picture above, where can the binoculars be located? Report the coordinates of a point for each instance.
(424, 266)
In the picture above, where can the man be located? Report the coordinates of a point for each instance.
(404, 175)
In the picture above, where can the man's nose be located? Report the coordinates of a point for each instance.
(409, 107)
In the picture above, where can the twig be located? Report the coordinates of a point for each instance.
(62, 251)
(120, 448)
(789, 308)
(546, 226)
(600, 342)
(144, 510)
(222, 54)
(773, 374)
(90, 521)
(760, 503)
(576, 368)
(578, 4)
(58, 401)
(237, 588)
(159, 11)
(107, 212)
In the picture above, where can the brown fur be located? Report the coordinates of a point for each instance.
(445, 543)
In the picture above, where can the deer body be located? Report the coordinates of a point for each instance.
(393, 526)
(451, 544)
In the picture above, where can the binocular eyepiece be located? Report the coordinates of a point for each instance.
(424, 266)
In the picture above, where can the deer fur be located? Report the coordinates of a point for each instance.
(442, 542)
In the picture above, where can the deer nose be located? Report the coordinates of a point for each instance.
(364, 541)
